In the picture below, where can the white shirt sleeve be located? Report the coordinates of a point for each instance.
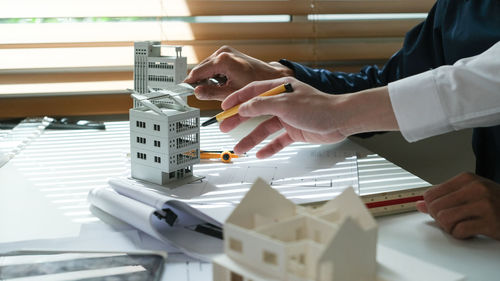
(464, 95)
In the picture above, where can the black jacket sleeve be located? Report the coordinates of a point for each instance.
(453, 29)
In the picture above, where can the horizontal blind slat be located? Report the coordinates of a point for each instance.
(160, 8)
(121, 58)
(71, 105)
(17, 34)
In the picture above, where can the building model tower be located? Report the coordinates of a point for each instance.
(267, 237)
(164, 130)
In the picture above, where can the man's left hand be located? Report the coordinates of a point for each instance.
(465, 206)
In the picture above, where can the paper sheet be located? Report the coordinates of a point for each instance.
(142, 217)
(302, 172)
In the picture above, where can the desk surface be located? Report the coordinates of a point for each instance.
(43, 194)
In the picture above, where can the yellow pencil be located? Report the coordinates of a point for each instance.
(234, 110)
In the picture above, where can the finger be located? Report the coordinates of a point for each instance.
(219, 64)
(422, 207)
(447, 187)
(461, 196)
(486, 221)
(202, 71)
(275, 146)
(259, 134)
(232, 122)
(199, 72)
(449, 218)
(212, 92)
(249, 91)
(273, 105)
(469, 228)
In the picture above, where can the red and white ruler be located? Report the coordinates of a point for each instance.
(393, 202)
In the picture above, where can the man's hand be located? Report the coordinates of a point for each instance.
(238, 68)
(465, 206)
(303, 113)
(306, 114)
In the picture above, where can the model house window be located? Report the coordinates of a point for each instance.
(157, 159)
(157, 143)
(141, 140)
(302, 259)
(269, 258)
(236, 277)
(235, 245)
(156, 127)
(317, 236)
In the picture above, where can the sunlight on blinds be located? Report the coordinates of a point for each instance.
(92, 38)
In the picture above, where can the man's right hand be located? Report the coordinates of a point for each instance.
(239, 69)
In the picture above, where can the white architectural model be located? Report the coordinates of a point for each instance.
(267, 237)
(164, 130)
(152, 71)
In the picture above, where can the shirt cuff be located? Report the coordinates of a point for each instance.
(416, 104)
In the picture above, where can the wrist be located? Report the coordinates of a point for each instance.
(282, 70)
(368, 111)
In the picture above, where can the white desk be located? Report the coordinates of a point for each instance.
(43, 196)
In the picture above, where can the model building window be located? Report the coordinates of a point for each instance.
(141, 140)
(187, 140)
(187, 156)
(269, 258)
(141, 155)
(187, 124)
(140, 124)
(157, 159)
(235, 245)
(156, 127)
(157, 143)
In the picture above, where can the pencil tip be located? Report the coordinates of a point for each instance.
(209, 121)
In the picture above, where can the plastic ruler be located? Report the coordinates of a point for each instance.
(393, 202)
(388, 203)
(19, 137)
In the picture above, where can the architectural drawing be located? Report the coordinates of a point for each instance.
(267, 237)
(164, 130)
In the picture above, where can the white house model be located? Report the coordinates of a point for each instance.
(164, 130)
(267, 237)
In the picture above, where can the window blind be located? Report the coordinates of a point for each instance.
(60, 57)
